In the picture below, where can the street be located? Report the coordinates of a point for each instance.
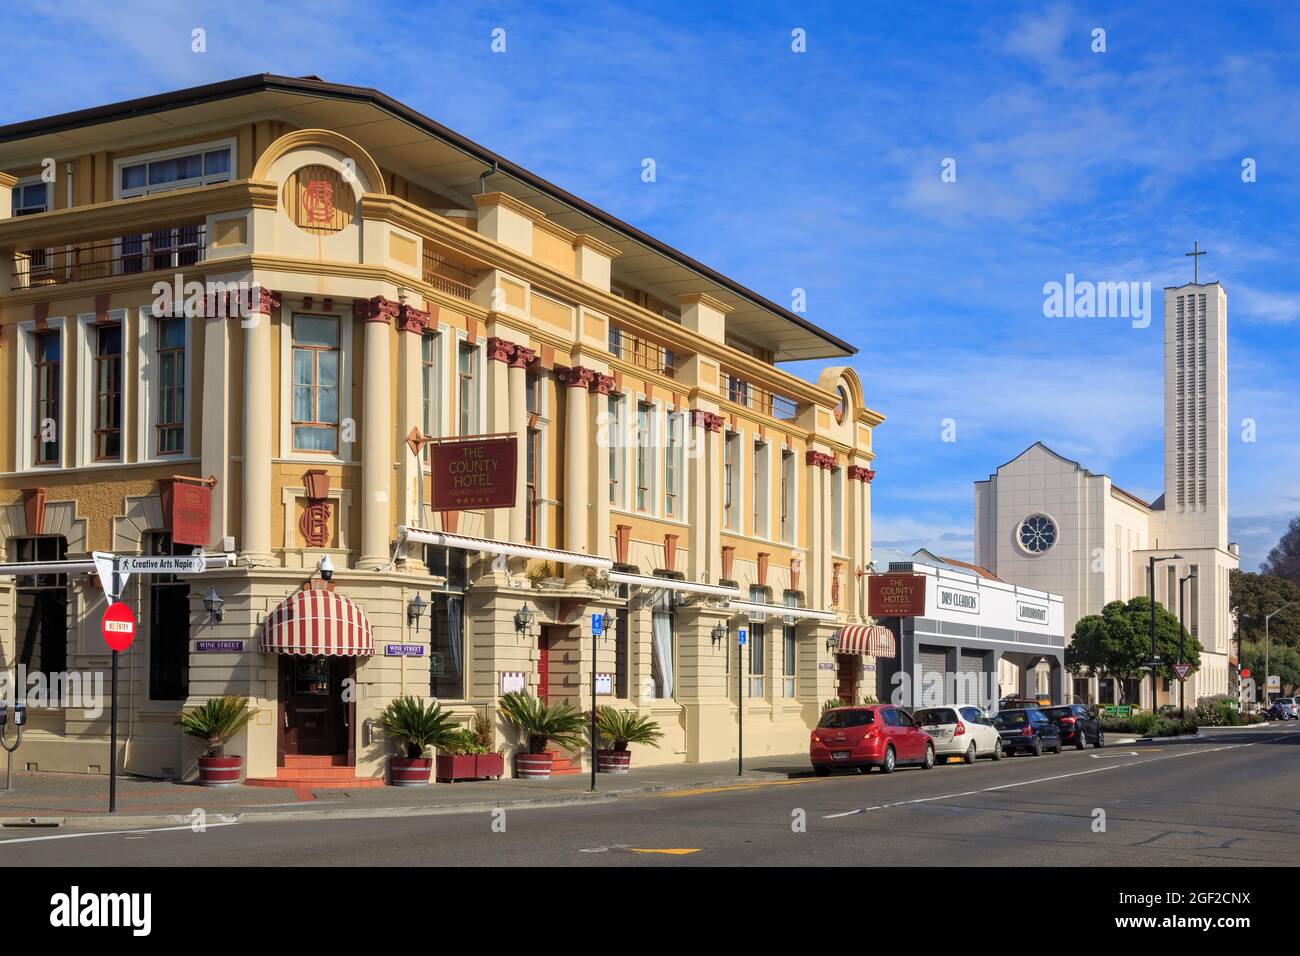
(1227, 798)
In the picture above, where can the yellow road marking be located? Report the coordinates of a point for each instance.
(674, 852)
(739, 786)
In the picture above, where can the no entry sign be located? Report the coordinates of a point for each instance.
(118, 626)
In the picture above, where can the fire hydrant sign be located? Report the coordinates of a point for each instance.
(118, 626)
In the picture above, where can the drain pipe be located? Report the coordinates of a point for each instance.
(482, 179)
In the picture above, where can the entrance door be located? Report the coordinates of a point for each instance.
(314, 719)
(543, 665)
(847, 667)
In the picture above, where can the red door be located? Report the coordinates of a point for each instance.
(543, 665)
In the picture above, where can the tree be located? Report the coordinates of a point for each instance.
(1117, 642)
(1252, 596)
(1282, 661)
(1284, 560)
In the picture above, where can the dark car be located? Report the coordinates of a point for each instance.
(876, 735)
(1027, 729)
(1079, 725)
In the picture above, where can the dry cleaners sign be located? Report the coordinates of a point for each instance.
(954, 600)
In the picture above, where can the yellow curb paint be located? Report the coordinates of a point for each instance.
(672, 852)
(739, 786)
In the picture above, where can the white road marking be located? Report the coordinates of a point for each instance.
(1061, 776)
(1115, 753)
(127, 833)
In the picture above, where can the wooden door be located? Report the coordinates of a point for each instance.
(847, 666)
(314, 718)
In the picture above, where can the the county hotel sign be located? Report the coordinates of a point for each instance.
(472, 473)
(896, 595)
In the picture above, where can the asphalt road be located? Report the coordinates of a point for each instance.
(1229, 798)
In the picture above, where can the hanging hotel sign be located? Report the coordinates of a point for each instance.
(896, 595)
(472, 473)
(187, 504)
(950, 599)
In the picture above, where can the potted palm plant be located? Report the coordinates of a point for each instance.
(540, 723)
(414, 724)
(215, 722)
(620, 728)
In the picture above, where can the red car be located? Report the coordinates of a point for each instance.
(874, 735)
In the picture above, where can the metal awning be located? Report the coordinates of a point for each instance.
(671, 584)
(445, 539)
(866, 639)
(783, 610)
(212, 562)
(316, 622)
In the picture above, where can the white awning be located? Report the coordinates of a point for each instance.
(672, 584)
(445, 539)
(211, 562)
(783, 610)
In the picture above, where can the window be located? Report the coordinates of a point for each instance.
(837, 510)
(1037, 534)
(757, 645)
(787, 496)
(447, 624)
(530, 484)
(758, 493)
(169, 626)
(730, 476)
(31, 196)
(662, 649)
(430, 352)
(41, 608)
(467, 388)
(614, 437)
(48, 382)
(789, 649)
(622, 641)
(315, 383)
(171, 386)
(174, 169)
(645, 421)
(108, 392)
(673, 468)
(1194, 600)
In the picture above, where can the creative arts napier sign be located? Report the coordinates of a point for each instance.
(473, 473)
(896, 595)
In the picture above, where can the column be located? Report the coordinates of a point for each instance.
(498, 421)
(518, 421)
(255, 537)
(376, 431)
(411, 326)
(704, 467)
(576, 381)
(215, 330)
(601, 385)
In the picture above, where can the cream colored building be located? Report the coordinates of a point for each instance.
(368, 275)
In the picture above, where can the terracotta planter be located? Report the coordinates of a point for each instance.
(614, 761)
(409, 771)
(453, 767)
(534, 766)
(220, 771)
(317, 484)
(489, 765)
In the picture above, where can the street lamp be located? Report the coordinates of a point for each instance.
(1182, 631)
(1267, 618)
(213, 604)
(1151, 590)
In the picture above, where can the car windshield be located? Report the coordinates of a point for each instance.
(1060, 712)
(1011, 718)
(858, 718)
(935, 716)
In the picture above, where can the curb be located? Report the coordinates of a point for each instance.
(102, 822)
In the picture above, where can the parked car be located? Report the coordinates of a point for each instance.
(1018, 703)
(1027, 729)
(1284, 708)
(1078, 724)
(874, 735)
(962, 731)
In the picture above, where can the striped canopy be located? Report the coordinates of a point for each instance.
(866, 639)
(317, 622)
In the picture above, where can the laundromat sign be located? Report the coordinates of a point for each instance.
(1031, 613)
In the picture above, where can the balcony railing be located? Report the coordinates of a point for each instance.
(448, 276)
(173, 247)
(641, 353)
(758, 398)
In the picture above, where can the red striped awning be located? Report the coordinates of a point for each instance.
(866, 639)
(318, 622)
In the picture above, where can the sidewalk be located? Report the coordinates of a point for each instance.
(80, 801)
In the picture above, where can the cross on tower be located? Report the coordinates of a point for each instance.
(1196, 251)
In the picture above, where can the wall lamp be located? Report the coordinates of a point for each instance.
(832, 643)
(415, 609)
(719, 633)
(607, 625)
(523, 618)
(213, 604)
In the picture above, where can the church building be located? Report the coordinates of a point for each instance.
(1047, 522)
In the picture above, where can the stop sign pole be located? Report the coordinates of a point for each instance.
(112, 733)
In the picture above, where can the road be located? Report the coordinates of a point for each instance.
(1229, 798)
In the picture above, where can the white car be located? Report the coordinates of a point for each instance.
(960, 731)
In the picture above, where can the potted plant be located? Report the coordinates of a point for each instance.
(540, 723)
(623, 727)
(414, 724)
(458, 758)
(489, 761)
(216, 721)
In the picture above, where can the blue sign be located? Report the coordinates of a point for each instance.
(403, 650)
(219, 647)
(596, 624)
(741, 636)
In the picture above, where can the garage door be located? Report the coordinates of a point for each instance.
(970, 678)
(934, 684)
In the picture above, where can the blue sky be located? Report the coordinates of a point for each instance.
(821, 170)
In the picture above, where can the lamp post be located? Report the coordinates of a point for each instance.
(1151, 591)
(1267, 618)
(1182, 631)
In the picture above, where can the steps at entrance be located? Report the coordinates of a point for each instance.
(304, 772)
(566, 764)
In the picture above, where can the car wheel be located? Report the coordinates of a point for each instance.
(929, 757)
(822, 771)
(1100, 741)
(997, 751)
(1080, 740)
(970, 753)
(1057, 748)
(888, 765)
(1038, 746)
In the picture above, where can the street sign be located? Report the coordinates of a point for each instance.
(742, 636)
(163, 564)
(104, 569)
(596, 624)
(1182, 670)
(118, 626)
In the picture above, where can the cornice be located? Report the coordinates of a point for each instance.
(595, 245)
(703, 298)
(510, 202)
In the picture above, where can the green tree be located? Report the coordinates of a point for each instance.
(1117, 642)
(1283, 661)
(1255, 595)
(1284, 560)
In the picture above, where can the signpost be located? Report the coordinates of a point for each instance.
(742, 637)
